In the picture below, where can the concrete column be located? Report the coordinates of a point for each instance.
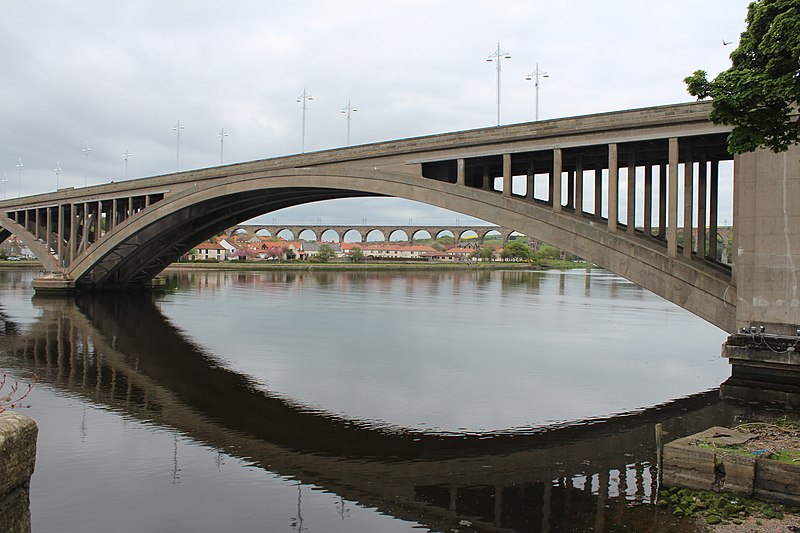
(662, 201)
(460, 177)
(672, 216)
(688, 194)
(530, 184)
(631, 211)
(713, 210)
(579, 186)
(73, 232)
(60, 235)
(701, 208)
(613, 188)
(507, 175)
(112, 220)
(47, 229)
(648, 199)
(555, 191)
(486, 179)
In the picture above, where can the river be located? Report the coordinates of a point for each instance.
(358, 401)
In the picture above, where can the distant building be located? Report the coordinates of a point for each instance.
(208, 251)
(384, 250)
(311, 249)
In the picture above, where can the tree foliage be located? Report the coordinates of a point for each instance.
(758, 94)
(516, 250)
(357, 255)
(485, 253)
(325, 254)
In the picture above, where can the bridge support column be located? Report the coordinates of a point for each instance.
(555, 194)
(630, 217)
(765, 352)
(507, 175)
(672, 217)
(688, 206)
(613, 188)
(648, 199)
(579, 186)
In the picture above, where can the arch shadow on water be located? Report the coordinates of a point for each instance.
(567, 477)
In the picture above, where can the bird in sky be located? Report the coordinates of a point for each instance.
(725, 43)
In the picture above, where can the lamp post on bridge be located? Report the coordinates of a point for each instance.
(177, 129)
(348, 111)
(19, 178)
(536, 75)
(303, 99)
(498, 56)
(126, 155)
(57, 170)
(85, 151)
(221, 136)
(5, 187)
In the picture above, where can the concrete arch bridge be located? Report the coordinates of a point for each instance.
(619, 189)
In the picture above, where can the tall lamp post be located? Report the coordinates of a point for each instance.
(57, 170)
(19, 177)
(349, 110)
(303, 99)
(221, 136)
(5, 187)
(126, 155)
(536, 75)
(177, 129)
(498, 56)
(85, 151)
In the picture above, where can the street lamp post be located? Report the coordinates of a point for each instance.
(498, 56)
(177, 129)
(85, 151)
(19, 177)
(536, 75)
(126, 155)
(221, 136)
(348, 111)
(303, 99)
(57, 170)
(5, 187)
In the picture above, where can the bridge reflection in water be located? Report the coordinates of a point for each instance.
(586, 476)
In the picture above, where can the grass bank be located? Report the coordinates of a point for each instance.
(376, 266)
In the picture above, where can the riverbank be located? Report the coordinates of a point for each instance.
(376, 266)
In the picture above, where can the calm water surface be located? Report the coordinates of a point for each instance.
(357, 401)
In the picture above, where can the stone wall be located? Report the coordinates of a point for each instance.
(17, 459)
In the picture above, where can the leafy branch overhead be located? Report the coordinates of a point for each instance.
(758, 94)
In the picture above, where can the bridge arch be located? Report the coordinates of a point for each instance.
(399, 233)
(141, 246)
(421, 234)
(352, 233)
(329, 235)
(373, 232)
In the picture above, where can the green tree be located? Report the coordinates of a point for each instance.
(484, 254)
(325, 254)
(758, 94)
(357, 255)
(516, 250)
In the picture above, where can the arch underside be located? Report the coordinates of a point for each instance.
(134, 254)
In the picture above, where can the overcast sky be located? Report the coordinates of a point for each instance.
(120, 75)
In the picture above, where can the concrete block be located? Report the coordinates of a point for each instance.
(17, 450)
(777, 481)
